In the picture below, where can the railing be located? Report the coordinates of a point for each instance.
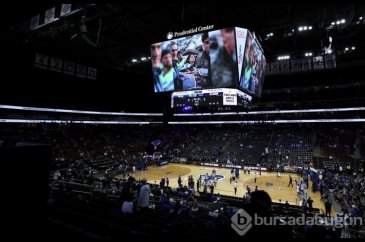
(69, 184)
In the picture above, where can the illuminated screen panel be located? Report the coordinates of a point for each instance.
(209, 97)
(241, 34)
(181, 64)
(224, 58)
(243, 99)
(195, 62)
(197, 98)
(253, 68)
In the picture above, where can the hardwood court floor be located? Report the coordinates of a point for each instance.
(277, 189)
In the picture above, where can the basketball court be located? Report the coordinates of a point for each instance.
(276, 187)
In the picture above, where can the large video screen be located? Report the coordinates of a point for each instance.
(223, 58)
(215, 59)
(253, 68)
(181, 64)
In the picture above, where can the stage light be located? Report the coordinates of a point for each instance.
(143, 58)
(304, 28)
(338, 22)
(347, 48)
(134, 60)
(353, 48)
(343, 21)
(269, 35)
(285, 57)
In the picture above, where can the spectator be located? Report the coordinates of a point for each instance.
(310, 204)
(144, 195)
(235, 185)
(127, 207)
(328, 207)
(259, 206)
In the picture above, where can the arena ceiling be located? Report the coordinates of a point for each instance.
(126, 30)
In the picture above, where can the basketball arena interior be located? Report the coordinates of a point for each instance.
(183, 121)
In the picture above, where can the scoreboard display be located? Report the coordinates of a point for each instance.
(209, 98)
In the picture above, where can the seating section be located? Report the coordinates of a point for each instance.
(337, 146)
(85, 200)
(115, 148)
(291, 146)
(98, 215)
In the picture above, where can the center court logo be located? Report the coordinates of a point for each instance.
(170, 35)
(241, 222)
(211, 177)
